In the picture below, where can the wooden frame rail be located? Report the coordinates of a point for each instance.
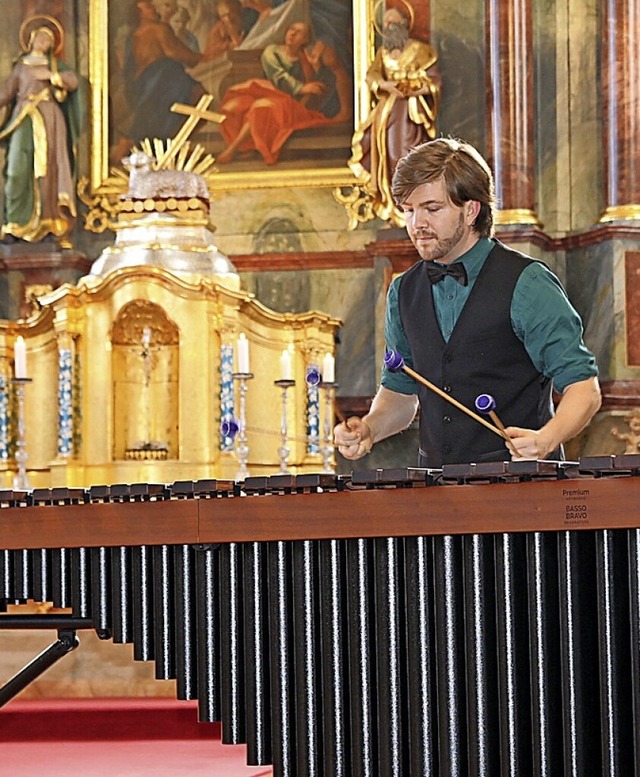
(572, 504)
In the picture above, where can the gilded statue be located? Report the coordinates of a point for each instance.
(631, 437)
(404, 85)
(39, 135)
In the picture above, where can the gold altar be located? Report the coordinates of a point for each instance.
(132, 370)
(172, 395)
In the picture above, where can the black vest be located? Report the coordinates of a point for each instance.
(483, 356)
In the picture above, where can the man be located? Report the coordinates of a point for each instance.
(155, 76)
(179, 22)
(502, 325)
(405, 85)
(234, 21)
(261, 114)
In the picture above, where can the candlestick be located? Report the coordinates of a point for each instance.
(20, 359)
(283, 450)
(241, 439)
(285, 365)
(327, 450)
(242, 359)
(21, 479)
(328, 368)
(313, 380)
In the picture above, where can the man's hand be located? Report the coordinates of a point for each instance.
(529, 443)
(353, 438)
(579, 403)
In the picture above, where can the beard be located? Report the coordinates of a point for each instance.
(395, 36)
(442, 246)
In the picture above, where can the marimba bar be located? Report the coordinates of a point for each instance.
(475, 620)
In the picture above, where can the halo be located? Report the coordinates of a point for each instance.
(382, 4)
(32, 23)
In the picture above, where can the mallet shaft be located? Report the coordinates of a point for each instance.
(493, 416)
(454, 402)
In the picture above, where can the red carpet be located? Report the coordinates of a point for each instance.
(115, 738)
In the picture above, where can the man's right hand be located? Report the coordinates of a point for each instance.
(353, 438)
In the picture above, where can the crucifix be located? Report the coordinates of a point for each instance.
(195, 114)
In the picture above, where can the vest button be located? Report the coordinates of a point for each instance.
(447, 357)
(446, 419)
(447, 388)
(446, 449)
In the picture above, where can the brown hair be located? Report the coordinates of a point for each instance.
(465, 173)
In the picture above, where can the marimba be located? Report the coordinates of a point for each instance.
(481, 619)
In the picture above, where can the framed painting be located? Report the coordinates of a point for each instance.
(217, 58)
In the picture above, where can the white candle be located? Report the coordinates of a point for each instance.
(285, 365)
(20, 358)
(242, 349)
(328, 369)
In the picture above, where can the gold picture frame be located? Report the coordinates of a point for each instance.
(107, 181)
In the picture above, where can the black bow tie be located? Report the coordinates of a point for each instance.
(436, 272)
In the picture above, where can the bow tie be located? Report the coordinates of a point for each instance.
(436, 272)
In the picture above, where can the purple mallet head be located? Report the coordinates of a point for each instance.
(229, 427)
(393, 361)
(312, 376)
(485, 403)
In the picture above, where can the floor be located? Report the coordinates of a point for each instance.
(115, 738)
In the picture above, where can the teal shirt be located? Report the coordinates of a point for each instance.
(541, 316)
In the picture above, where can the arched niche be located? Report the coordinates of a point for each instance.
(146, 383)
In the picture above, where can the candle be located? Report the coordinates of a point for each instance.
(20, 358)
(285, 365)
(328, 369)
(242, 349)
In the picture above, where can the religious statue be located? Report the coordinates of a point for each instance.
(404, 85)
(632, 437)
(147, 181)
(39, 134)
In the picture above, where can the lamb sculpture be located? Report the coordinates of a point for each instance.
(145, 182)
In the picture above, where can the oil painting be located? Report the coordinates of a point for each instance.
(271, 86)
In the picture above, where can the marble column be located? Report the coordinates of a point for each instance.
(511, 137)
(621, 109)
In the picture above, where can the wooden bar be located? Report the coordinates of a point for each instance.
(573, 504)
(612, 502)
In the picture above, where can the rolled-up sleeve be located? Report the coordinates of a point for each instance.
(550, 328)
(396, 340)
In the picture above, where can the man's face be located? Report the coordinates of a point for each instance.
(147, 10)
(297, 35)
(440, 230)
(392, 16)
(229, 15)
(166, 9)
(395, 28)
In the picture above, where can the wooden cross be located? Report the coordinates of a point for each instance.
(195, 113)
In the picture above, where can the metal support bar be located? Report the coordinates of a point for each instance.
(65, 625)
(66, 642)
(44, 621)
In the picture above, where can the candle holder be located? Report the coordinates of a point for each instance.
(327, 451)
(241, 446)
(313, 379)
(21, 479)
(283, 450)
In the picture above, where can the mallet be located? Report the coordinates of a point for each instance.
(486, 404)
(395, 362)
